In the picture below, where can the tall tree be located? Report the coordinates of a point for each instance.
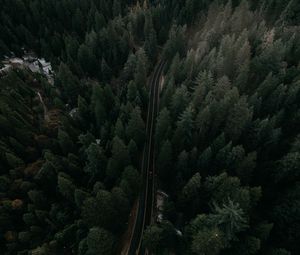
(100, 241)
(136, 128)
(96, 163)
(119, 160)
(238, 118)
(163, 127)
(87, 60)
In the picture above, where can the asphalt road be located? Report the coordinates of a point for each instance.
(147, 196)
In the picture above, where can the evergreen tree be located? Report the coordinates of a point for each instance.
(131, 91)
(208, 241)
(140, 76)
(65, 142)
(117, 8)
(100, 241)
(230, 218)
(150, 37)
(163, 127)
(87, 60)
(119, 129)
(99, 211)
(66, 187)
(68, 82)
(119, 160)
(136, 128)
(238, 118)
(164, 161)
(184, 131)
(105, 70)
(190, 193)
(130, 182)
(97, 102)
(96, 164)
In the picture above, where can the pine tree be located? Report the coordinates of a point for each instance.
(99, 211)
(203, 123)
(164, 161)
(230, 218)
(69, 83)
(97, 104)
(117, 8)
(100, 241)
(46, 176)
(99, 21)
(66, 187)
(65, 142)
(204, 83)
(204, 161)
(136, 128)
(13, 161)
(83, 111)
(140, 76)
(237, 120)
(180, 101)
(129, 67)
(175, 43)
(153, 238)
(119, 129)
(131, 91)
(131, 182)
(183, 135)
(105, 70)
(189, 196)
(78, 22)
(208, 242)
(150, 37)
(72, 46)
(121, 205)
(80, 196)
(96, 163)
(160, 238)
(87, 60)
(119, 160)
(134, 152)
(163, 127)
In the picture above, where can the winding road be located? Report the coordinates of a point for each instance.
(147, 195)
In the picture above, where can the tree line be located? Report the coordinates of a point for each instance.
(226, 138)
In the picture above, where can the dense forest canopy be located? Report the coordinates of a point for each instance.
(227, 137)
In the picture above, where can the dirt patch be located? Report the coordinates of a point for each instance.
(126, 238)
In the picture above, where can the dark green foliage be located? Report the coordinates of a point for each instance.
(66, 187)
(130, 182)
(208, 241)
(87, 60)
(176, 42)
(99, 211)
(135, 129)
(69, 83)
(96, 164)
(226, 137)
(163, 127)
(119, 159)
(164, 161)
(65, 142)
(160, 238)
(100, 241)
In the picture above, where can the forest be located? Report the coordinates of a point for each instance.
(226, 138)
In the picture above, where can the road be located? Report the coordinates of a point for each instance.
(147, 196)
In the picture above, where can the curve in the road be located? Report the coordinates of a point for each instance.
(146, 201)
